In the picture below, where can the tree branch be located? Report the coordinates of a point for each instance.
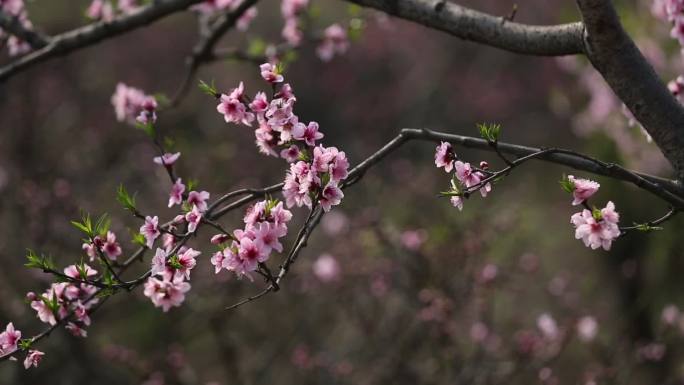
(13, 26)
(613, 53)
(93, 33)
(468, 24)
(204, 49)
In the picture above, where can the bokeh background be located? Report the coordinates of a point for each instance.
(425, 294)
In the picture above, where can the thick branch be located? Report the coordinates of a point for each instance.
(616, 57)
(93, 33)
(468, 24)
(13, 26)
(203, 51)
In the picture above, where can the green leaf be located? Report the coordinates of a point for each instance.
(209, 89)
(256, 47)
(162, 99)
(645, 227)
(125, 198)
(354, 10)
(138, 239)
(174, 262)
(148, 128)
(566, 184)
(85, 225)
(25, 343)
(36, 261)
(356, 27)
(192, 183)
(489, 131)
(102, 224)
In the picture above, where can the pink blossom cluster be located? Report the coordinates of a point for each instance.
(104, 9)
(291, 10)
(64, 298)
(596, 228)
(212, 7)
(107, 245)
(467, 179)
(167, 285)
(15, 8)
(673, 11)
(315, 171)
(133, 105)
(334, 42)
(242, 251)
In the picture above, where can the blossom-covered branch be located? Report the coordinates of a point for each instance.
(78, 38)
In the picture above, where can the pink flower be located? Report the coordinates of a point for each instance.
(128, 6)
(219, 239)
(251, 252)
(100, 10)
(609, 214)
(233, 110)
(465, 174)
(298, 181)
(334, 41)
(217, 260)
(167, 159)
(587, 328)
(597, 232)
(269, 72)
(444, 156)
(72, 271)
(193, 218)
(76, 330)
(176, 194)
(265, 139)
(259, 103)
(33, 358)
(291, 8)
(150, 230)
(187, 261)
(280, 215)
(291, 32)
(246, 19)
(326, 268)
(548, 326)
(130, 102)
(268, 234)
(255, 213)
(169, 240)
(583, 189)
(148, 111)
(198, 199)
(290, 154)
(309, 134)
(166, 292)
(286, 93)
(159, 262)
(111, 247)
(457, 201)
(331, 196)
(9, 339)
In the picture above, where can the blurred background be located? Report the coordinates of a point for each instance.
(396, 285)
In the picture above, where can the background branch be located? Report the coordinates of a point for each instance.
(496, 31)
(67, 42)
